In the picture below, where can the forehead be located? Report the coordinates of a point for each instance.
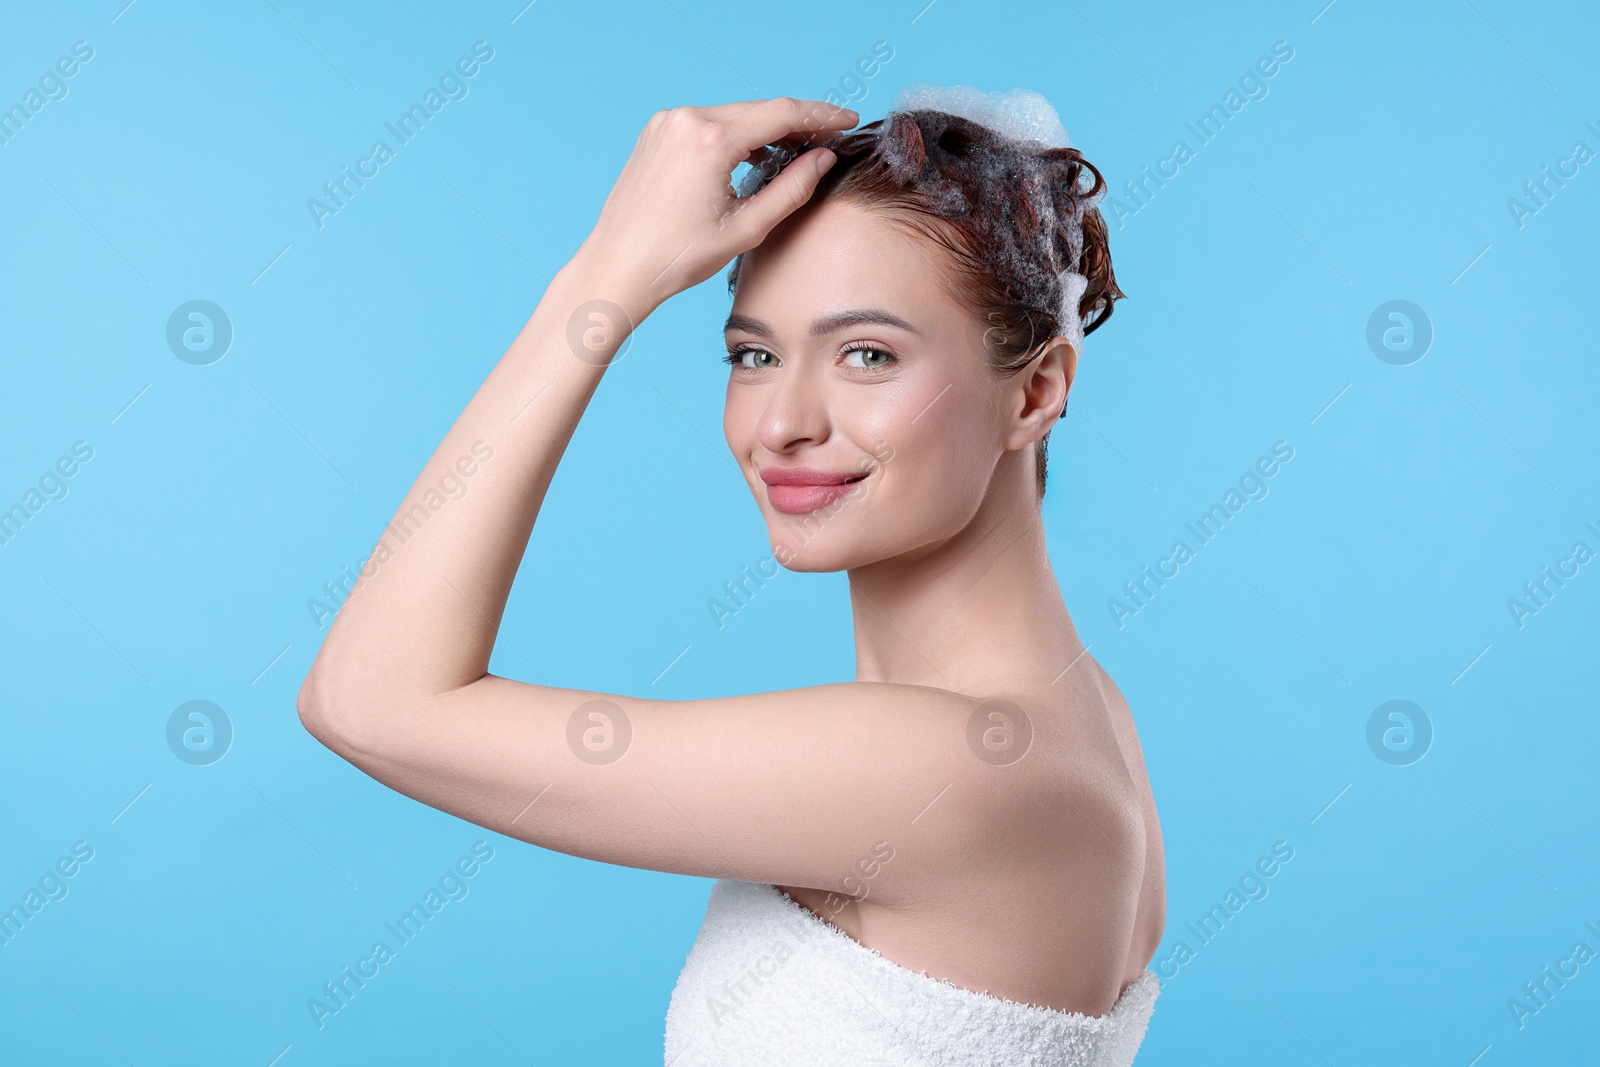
(838, 254)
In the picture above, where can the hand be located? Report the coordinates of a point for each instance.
(673, 219)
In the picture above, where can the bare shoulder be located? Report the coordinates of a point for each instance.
(1060, 901)
(1150, 917)
(1085, 917)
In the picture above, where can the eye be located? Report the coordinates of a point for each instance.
(867, 352)
(736, 358)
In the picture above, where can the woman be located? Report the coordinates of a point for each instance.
(954, 858)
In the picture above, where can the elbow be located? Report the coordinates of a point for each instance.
(356, 716)
(309, 704)
(323, 714)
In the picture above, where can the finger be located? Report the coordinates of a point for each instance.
(719, 112)
(772, 120)
(790, 141)
(757, 215)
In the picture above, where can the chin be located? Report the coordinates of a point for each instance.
(803, 545)
(810, 559)
(813, 542)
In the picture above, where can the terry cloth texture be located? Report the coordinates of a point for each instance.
(769, 983)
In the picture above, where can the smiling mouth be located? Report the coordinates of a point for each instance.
(803, 499)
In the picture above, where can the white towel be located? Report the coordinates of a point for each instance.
(769, 983)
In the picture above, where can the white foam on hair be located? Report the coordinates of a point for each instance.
(1020, 114)
(1027, 117)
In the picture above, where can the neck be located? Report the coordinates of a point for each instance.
(979, 613)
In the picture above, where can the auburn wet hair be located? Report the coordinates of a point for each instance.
(1016, 220)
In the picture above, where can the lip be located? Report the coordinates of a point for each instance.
(806, 476)
(799, 490)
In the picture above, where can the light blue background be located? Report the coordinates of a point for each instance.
(1378, 167)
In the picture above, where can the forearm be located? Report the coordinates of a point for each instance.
(422, 621)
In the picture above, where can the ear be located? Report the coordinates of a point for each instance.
(1041, 392)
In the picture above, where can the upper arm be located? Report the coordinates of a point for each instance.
(793, 787)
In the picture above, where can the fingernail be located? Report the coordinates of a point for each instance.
(825, 159)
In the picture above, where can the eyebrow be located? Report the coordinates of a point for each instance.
(826, 325)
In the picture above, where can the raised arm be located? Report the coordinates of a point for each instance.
(790, 787)
(425, 624)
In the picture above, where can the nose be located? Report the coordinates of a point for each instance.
(796, 411)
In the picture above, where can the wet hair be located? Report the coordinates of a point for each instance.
(1016, 219)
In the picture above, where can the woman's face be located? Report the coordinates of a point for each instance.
(853, 362)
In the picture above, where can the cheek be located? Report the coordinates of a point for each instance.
(738, 422)
(938, 437)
